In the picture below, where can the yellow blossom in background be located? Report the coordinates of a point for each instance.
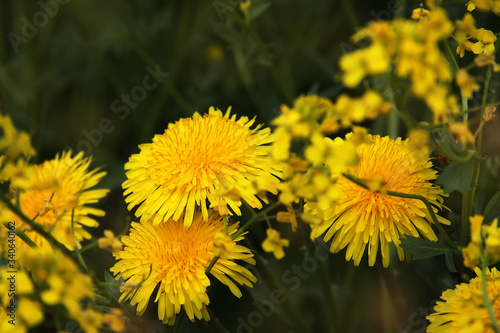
(483, 60)
(476, 223)
(472, 255)
(412, 48)
(287, 217)
(419, 142)
(13, 142)
(192, 160)
(485, 41)
(224, 246)
(109, 241)
(359, 64)
(274, 243)
(57, 194)
(50, 279)
(465, 30)
(356, 110)
(485, 242)
(114, 320)
(215, 52)
(489, 113)
(419, 13)
(462, 309)
(176, 258)
(466, 83)
(484, 5)
(244, 6)
(366, 219)
(492, 241)
(461, 132)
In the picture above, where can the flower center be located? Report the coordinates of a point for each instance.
(198, 152)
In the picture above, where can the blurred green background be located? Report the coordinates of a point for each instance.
(78, 74)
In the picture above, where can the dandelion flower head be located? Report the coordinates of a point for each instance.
(177, 258)
(368, 218)
(56, 194)
(195, 159)
(463, 310)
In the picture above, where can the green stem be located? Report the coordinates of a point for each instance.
(26, 239)
(427, 204)
(178, 322)
(456, 158)
(351, 13)
(263, 49)
(38, 228)
(486, 297)
(224, 218)
(255, 218)
(77, 249)
(323, 275)
(215, 323)
(212, 263)
(464, 221)
(290, 309)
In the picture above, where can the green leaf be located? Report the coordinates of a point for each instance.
(256, 10)
(492, 209)
(449, 143)
(450, 263)
(422, 248)
(457, 176)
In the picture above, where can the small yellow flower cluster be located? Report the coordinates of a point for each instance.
(15, 147)
(109, 241)
(49, 280)
(463, 309)
(482, 44)
(484, 5)
(485, 242)
(312, 116)
(410, 49)
(274, 243)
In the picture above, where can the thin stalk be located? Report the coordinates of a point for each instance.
(77, 250)
(255, 218)
(212, 263)
(263, 49)
(324, 279)
(26, 239)
(464, 220)
(290, 309)
(215, 323)
(36, 227)
(224, 218)
(456, 158)
(178, 322)
(486, 297)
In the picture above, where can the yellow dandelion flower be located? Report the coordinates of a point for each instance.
(363, 218)
(192, 160)
(176, 258)
(47, 194)
(462, 309)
